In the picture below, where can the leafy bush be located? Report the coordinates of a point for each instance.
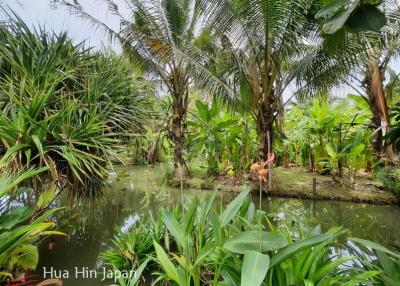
(64, 107)
(224, 138)
(390, 178)
(21, 226)
(237, 245)
(394, 134)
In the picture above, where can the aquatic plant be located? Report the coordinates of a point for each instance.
(207, 244)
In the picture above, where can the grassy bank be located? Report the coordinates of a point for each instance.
(297, 183)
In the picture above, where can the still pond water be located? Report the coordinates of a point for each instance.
(91, 227)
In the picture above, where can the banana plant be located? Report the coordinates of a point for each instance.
(209, 127)
(394, 134)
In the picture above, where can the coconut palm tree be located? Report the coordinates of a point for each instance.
(251, 52)
(371, 55)
(153, 37)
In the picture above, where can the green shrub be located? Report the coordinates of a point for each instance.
(390, 178)
(63, 106)
(21, 227)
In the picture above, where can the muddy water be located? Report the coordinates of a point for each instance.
(91, 226)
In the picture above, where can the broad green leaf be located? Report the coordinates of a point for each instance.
(360, 101)
(189, 217)
(300, 245)
(331, 8)
(255, 267)
(339, 20)
(25, 256)
(166, 264)
(331, 152)
(233, 208)
(38, 145)
(357, 150)
(331, 266)
(174, 228)
(46, 198)
(138, 273)
(255, 241)
(231, 275)
(308, 283)
(360, 278)
(374, 246)
(15, 217)
(203, 254)
(366, 18)
(203, 110)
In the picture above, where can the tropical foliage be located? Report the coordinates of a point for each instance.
(329, 137)
(238, 82)
(153, 38)
(63, 106)
(238, 245)
(21, 227)
(226, 139)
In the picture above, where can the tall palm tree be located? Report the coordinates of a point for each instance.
(373, 51)
(153, 37)
(255, 49)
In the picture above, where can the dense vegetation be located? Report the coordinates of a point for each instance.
(22, 226)
(238, 245)
(242, 86)
(64, 106)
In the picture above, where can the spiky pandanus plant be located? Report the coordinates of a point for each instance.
(62, 105)
(153, 37)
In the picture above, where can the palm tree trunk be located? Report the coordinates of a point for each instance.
(380, 111)
(177, 137)
(265, 122)
(177, 133)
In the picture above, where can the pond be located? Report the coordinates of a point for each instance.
(133, 192)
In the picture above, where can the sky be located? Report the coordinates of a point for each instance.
(41, 12)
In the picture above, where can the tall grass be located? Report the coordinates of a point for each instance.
(64, 106)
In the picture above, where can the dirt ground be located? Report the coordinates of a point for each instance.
(297, 183)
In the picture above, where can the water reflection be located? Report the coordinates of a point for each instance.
(91, 226)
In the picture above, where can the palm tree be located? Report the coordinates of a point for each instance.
(251, 51)
(364, 67)
(153, 38)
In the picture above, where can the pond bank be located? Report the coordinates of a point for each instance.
(297, 183)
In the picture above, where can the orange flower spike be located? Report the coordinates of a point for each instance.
(255, 168)
(262, 179)
(271, 158)
(263, 175)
